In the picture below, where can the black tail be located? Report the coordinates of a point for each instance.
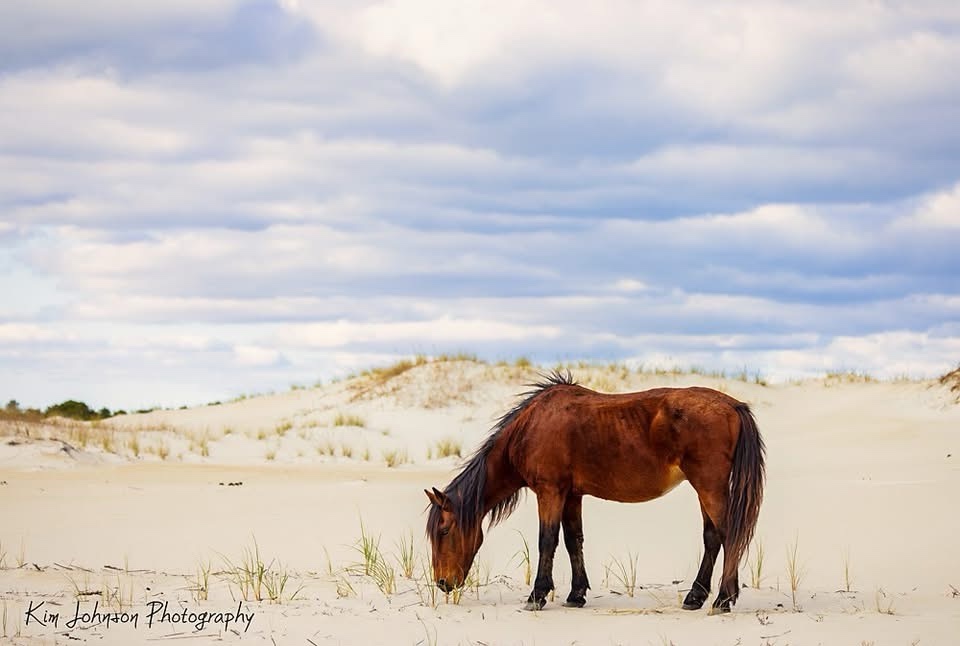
(746, 487)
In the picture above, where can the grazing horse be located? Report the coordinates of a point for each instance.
(565, 442)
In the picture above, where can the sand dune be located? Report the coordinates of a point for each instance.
(863, 479)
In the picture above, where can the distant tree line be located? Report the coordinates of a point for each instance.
(71, 409)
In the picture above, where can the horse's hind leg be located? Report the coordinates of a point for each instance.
(573, 539)
(729, 590)
(711, 549)
(714, 504)
(550, 504)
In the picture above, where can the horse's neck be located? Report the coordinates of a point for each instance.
(502, 479)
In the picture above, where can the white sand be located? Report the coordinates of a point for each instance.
(857, 472)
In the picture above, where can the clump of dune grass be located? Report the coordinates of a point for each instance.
(795, 571)
(847, 574)
(373, 564)
(522, 362)
(200, 583)
(200, 445)
(368, 546)
(345, 588)
(326, 447)
(624, 572)
(470, 582)
(406, 556)
(952, 381)
(395, 457)
(601, 383)
(271, 454)
(343, 419)
(756, 564)
(106, 442)
(5, 619)
(430, 639)
(456, 595)
(384, 576)
(458, 356)
(81, 435)
(428, 590)
(257, 579)
(447, 447)
(117, 596)
(884, 604)
(330, 570)
(523, 556)
(848, 377)
(282, 428)
(479, 575)
(83, 589)
(346, 450)
(386, 373)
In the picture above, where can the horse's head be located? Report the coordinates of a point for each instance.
(454, 541)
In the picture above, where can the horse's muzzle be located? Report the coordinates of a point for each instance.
(443, 585)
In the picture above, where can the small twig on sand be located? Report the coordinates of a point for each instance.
(775, 636)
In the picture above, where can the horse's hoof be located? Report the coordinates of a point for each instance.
(535, 606)
(693, 602)
(574, 603)
(719, 610)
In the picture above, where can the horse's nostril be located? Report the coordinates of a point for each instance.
(443, 585)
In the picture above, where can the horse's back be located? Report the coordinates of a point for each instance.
(628, 446)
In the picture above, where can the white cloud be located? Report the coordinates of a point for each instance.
(445, 331)
(630, 285)
(887, 355)
(727, 164)
(257, 356)
(56, 22)
(733, 60)
(13, 334)
(894, 354)
(940, 211)
(905, 65)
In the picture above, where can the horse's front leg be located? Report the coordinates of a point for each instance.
(573, 539)
(550, 506)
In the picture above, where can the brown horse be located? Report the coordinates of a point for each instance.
(564, 442)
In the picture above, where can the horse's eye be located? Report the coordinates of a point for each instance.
(444, 531)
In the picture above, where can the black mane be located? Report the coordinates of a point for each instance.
(465, 491)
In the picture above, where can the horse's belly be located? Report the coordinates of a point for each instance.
(635, 485)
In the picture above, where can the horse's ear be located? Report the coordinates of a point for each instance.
(438, 498)
(432, 495)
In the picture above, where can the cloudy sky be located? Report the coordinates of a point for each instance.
(202, 198)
